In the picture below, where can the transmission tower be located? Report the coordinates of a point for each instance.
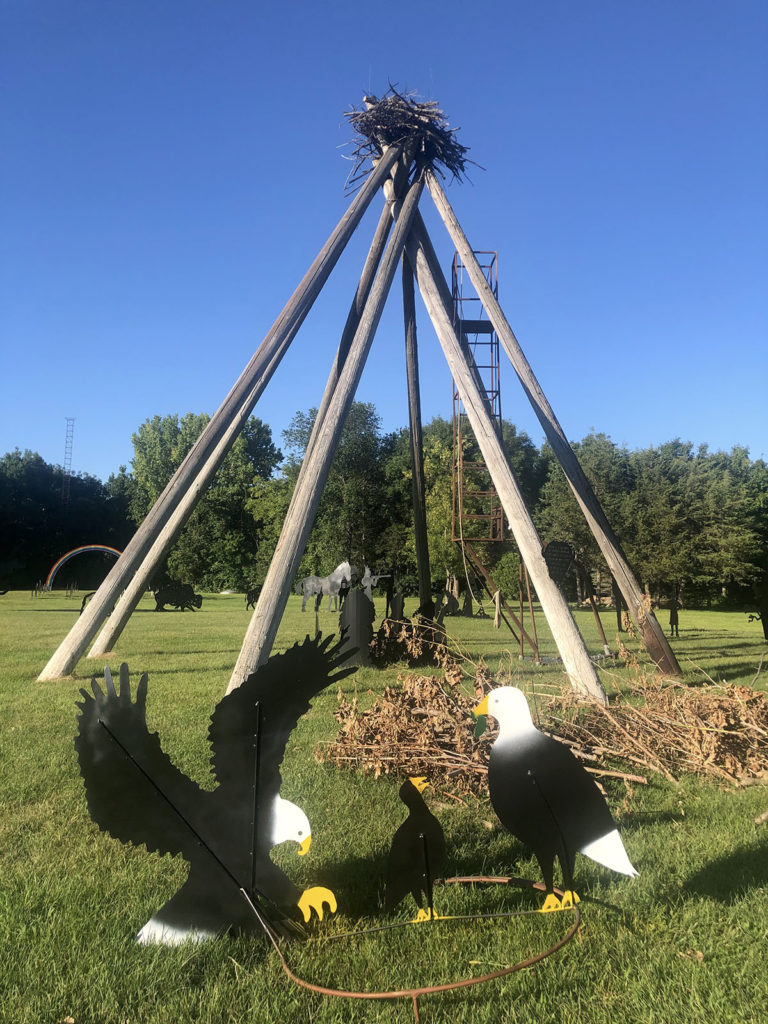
(67, 460)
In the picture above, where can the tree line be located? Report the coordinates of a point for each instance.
(693, 523)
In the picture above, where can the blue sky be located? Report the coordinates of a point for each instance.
(170, 169)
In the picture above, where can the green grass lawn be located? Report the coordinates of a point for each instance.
(686, 941)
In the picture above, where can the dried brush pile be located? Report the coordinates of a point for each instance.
(423, 727)
(417, 641)
(719, 731)
(402, 119)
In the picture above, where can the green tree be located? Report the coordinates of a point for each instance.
(218, 547)
(37, 527)
(356, 512)
(558, 515)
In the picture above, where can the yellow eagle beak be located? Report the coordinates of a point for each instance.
(482, 707)
(305, 845)
(419, 781)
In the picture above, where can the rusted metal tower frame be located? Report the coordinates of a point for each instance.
(481, 347)
(477, 334)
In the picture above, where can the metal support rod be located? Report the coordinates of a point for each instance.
(242, 397)
(314, 470)
(418, 489)
(437, 298)
(256, 767)
(652, 634)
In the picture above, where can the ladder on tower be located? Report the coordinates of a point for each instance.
(65, 480)
(477, 516)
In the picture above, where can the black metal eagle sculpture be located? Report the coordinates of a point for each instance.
(417, 853)
(545, 797)
(137, 795)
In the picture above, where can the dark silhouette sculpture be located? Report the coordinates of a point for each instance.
(138, 795)
(397, 606)
(674, 616)
(417, 853)
(253, 596)
(179, 595)
(356, 626)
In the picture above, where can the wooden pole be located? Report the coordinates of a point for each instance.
(138, 585)
(355, 311)
(437, 298)
(650, 630)
(418, 489)
(314, 470)
(532, 616)
(242, 397)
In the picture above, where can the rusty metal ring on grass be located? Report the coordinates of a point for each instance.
(415, 993)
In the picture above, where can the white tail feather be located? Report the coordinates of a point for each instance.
(609, 851)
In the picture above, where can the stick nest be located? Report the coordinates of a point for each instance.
(419, 125)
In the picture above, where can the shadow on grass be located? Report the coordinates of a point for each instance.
(730, 878)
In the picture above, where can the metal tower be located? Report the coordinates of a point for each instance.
(477, 516)
(67, 460)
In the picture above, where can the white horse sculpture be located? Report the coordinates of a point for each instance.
(311, 586)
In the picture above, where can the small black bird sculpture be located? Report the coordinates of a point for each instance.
(417, 853)
(137, 795)
(545, 798)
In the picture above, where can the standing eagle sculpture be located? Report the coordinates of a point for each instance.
(545, 798)
(136, 794)
(417, 853)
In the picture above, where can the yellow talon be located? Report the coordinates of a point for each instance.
(315, 898)
(424, 915)
(550, 903)
(570, 899)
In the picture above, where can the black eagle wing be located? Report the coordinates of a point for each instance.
(263, 712)
(131, 785)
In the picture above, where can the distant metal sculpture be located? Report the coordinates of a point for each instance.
(138, 795)
(356, 626)
(180, 595)
(252, 596)
(327, 586)
(369, 581)
(105, 548)
(397, 606)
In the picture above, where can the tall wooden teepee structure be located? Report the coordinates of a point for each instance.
(409, 144)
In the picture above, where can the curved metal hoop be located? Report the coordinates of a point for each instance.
(415, 993)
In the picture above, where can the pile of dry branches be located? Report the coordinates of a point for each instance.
(397, 118)
(719, 731)
(417, 641)
(425, 727)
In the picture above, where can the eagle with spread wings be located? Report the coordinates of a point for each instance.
(136, 794)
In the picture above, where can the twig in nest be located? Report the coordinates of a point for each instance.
(419, 125)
